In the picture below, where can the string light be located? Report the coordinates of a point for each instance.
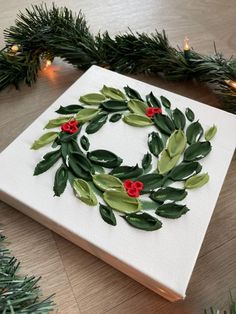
(231, 83)
(15, 48)
(186, 48)
(48, 63)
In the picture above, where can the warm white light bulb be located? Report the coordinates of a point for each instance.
(48, 63)
(186, 44)
(231, 83)
(14, 48)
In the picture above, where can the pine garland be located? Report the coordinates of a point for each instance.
(58, 32)
(19, 294)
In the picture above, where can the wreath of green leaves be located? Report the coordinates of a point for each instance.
(175, 149)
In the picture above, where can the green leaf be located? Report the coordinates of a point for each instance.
(189, 114)
(155, 143)
(112, 93)
(107, 214)
(96, 123)
(54, 123)
(84, 192)
(60, 181)
(147, 160)
(153, 101)
(115, 117)
(105, 182)
(137, 106)
(143, 221)
(197, 181)
(44, 140)
(121, 202)
(165, 102)
(166, 163)
(137, 120)
(67, 137)
(185, 170)
(48, 161)
(87, 114)
(164, 124)
(168, 193)
(82, 169)
(132, 93)
(177, 143)
(114, 105)
(69, 109)
(197, 151)
(92, 99)
(126, 172)
(210, 133)
(83, 162)
(104, 158)
(171, 210)
(84, 141)
(179, 119)
(151, 181)
(194, 132)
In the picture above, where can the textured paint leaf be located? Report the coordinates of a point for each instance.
(210, 133)
(81, 170)
(121, 202)
(44, 140)
(171, 210)
(151, 181)
(179, 119)
(107, 214)
(104, 158)
(113, 93)
(87, 114)
(185, 170)
(54, 123)
(189, 114)
(83, 162)
(194, 132)
(84, 192)
(143, 221)
(115, 117)
(177, 143)
(147, 160)
(48, 161)
(84, 141)
(67, 148)
(164, 124)
(96, 123)
(165, 102)
(60, 181)
(168, 194)
(114, 105)
(153, 101)
(126, 172)
(155, 143)
(197, 181)
(105, 182)
(166, 163)
(69, 109)
(132, 93)
(137, 120)
(92, 99)
(137, 106)
(197, 151)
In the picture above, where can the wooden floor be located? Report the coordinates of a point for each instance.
(83, 283)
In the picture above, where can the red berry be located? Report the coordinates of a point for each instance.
(73, 129)
(128, 184)
(133, 192)
(157, 110)
(65, 127)
(138, 185)
(73, 123)
(150, 112)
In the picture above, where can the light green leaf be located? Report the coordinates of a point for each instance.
(45, 139)
(122, 202)
(177, 143)
(197, 181)
(137, 106)
(137, 120)
(105, 182)
(84, 192)
(54, 123)
(210, 133)
(92, 99)
(87, 114)
(166, 163)
(113, 93)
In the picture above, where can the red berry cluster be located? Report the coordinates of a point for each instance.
(150, 111)
(133, 188)
(70, 127)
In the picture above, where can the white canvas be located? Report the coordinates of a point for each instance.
(162, 260)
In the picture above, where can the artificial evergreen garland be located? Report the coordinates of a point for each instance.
(43, 32)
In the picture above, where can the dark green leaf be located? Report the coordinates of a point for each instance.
(114, 105)
(107, 214)
(83, 161)
(84, 141)
(194, 132)
(69, 109)
(104, 158)
(197, 151)
(168, 193)
(143, 221)
(153, 101)
(189, 114)
(80, 166)
(164, 124)
(131, 93)
(147, 160)
(171, 210)
(96, 123)
(126, 172)
(185, 170)
(115, 117)
(151, 181)
(60, 181)
(69, 147)
(179, 119)
(48, 161)
(150, 204)
(155, 143)
(165, 102)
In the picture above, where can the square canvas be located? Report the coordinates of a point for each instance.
(162, 260)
